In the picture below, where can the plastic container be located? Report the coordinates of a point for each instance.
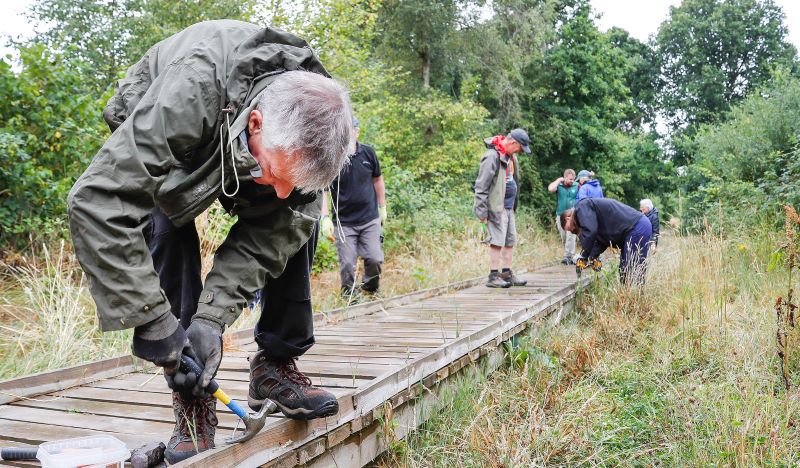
(90, 452)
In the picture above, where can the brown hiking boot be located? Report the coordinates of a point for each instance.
(495, 281)
(512, 278)
(281, 382)
(195, 426)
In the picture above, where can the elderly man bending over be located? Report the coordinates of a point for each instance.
(228, 111)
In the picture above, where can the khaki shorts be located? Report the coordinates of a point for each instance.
(503, 231)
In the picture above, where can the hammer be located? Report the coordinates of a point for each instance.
(252, 423)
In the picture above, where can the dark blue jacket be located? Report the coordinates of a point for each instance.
(590, 189)
(652, 215)
(603, 223)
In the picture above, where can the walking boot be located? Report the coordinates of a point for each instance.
(279, 380)
(495, 281)
(195, 426)
(510, 277)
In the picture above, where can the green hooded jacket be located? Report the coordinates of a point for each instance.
(170, 116)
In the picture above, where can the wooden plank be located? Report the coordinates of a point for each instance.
(314, 366)
(36, 433)
(401, 329)
(363, 356)
(236, 388)
(46, 382)
(148, 398)
(114, 425)
(417, 342)
(119, 409)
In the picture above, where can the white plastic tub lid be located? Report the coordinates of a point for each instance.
(82, 451)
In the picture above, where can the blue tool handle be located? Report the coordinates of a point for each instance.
(238, 410)
(189, 365)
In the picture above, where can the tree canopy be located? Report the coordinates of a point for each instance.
(430, 80)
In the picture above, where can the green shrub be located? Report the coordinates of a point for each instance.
(750, 165)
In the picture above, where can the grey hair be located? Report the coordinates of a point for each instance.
(309, 117)
(647, 203)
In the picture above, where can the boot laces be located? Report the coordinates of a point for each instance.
(194, 410)
(288, 370)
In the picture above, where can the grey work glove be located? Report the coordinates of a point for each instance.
(161, 341)
(205, 337)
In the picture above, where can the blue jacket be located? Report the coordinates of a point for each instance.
(590, 189)
(652, 215)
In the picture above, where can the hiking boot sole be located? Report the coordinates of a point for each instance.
(328, 409)
(490, 285)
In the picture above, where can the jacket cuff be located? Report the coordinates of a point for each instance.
(222, 316)
(210, 321)
(156, 351)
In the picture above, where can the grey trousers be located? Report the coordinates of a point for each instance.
(568, 239)
(360, 241)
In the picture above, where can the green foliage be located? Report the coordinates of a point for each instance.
(438, 138)
(713, 53)
(642, 80)
(325, 257)
(429, 81)
(584, 115)
(750, 165)
(49, 130)
(416, 33)
(111, 35)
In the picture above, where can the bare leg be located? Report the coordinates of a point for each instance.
(507, 253)
(495, 253)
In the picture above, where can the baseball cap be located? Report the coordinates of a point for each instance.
(584, 173)
(521, 136)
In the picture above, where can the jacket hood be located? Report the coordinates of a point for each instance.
(266, 53)
(592, 182)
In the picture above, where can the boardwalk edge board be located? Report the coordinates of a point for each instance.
(52, 381)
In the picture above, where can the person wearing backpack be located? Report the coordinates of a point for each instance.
(496, 201)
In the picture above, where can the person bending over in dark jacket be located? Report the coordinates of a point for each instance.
(600, 223)
(228, 111)
(646, 207)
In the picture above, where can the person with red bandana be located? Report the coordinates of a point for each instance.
(496, 200)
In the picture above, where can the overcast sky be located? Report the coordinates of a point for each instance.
(640, 17)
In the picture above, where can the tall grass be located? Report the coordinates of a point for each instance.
(681, 373)
(52, 321)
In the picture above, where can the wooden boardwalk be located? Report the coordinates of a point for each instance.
(382, 360)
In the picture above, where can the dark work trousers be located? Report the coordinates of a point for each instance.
(285, 328)
(632, 259)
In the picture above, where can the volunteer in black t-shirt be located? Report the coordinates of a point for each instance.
(359, 211)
